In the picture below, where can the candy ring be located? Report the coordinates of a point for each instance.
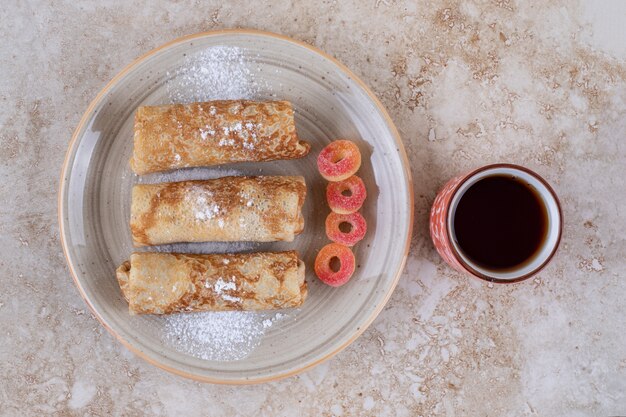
(339, 160)
(346, 196)
(330, 253)
(356, 223)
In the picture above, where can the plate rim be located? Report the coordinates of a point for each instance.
(88, 113)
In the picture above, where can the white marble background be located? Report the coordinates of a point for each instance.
(540, 83)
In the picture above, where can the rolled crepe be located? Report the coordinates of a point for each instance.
(213, 133)
(227, 209)
(163, 283)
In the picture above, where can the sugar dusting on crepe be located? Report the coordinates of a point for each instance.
(217, 73)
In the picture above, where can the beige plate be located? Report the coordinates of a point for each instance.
(330, 103)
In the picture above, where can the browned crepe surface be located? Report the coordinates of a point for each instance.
(163, 283)
(227, 209)
(212, 133)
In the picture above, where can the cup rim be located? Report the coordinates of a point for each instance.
(468, 267)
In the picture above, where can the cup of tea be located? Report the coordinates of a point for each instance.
(501, 223)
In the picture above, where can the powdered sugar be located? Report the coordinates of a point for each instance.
(207, 211)
(231, 298)
(246, 131)
(246, 198)
(248, 145)
(221, 285)
(203, 205)
(217, 73)
(226, 142)
(218, 336)
(206, 132)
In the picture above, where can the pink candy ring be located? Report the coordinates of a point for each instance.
(357, 225)
(339, 160)
(347, 196)
(323, 268)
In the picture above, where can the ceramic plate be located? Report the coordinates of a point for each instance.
(330, 103)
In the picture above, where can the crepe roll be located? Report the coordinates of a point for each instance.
(213, 133)
(227, 209)
(163, 283)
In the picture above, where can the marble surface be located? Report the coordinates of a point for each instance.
(468, 83)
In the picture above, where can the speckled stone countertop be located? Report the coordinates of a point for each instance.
(468, 83)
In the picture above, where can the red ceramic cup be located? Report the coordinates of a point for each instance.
(442, 224)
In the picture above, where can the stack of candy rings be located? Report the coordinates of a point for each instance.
(338, 162)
